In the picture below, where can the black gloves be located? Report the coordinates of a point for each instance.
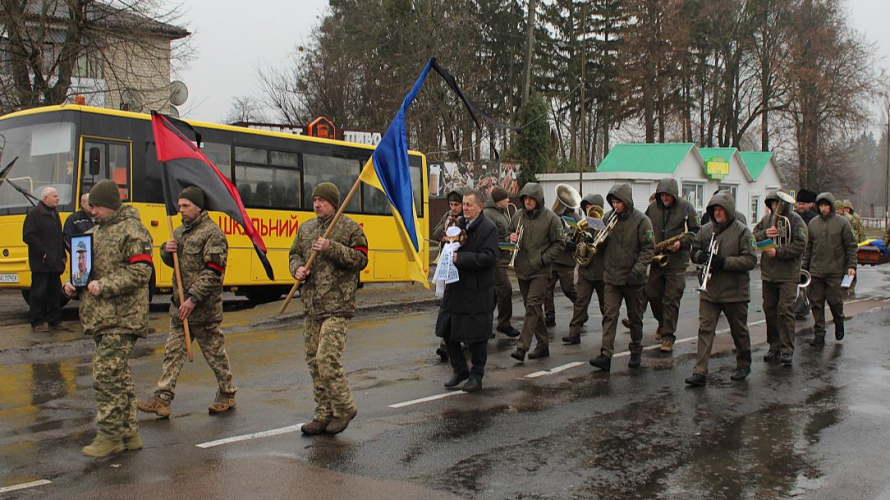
(570, 245)
(700, 257)
(718, 262)
(633, 278)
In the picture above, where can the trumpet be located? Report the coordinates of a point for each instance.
(519, 231)
(601, 236)
(705, 276)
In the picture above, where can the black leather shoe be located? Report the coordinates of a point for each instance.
(740, 374)
(636, 359)
(602, 362)
(518, 355)
(549, 321)
(787, 360)
(839, 330)
(511, 332)
(472, 385)
(456, 379)
(626, 323)
(539, 352)
(443, 354)
(818, 341)
(697, 380)
(770, 356)
(572, 339)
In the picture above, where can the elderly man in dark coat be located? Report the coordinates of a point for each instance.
(467, 308)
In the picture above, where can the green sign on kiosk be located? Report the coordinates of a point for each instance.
(716, 168)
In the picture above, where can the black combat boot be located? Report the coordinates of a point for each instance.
(456, 379)
(572, 339)
(602, 362)
(539, 352)
(771, 356)
(818, 341)
(518, 355)
(636, 359)
(697, 380)
(741, 373)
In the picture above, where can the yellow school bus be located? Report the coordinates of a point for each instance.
(72, 147)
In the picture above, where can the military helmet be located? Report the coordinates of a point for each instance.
(81, 247)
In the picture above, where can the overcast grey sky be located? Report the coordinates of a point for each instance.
(234, 38)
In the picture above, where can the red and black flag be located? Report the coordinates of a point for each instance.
(183, 165)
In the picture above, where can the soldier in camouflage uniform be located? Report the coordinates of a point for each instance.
(857, 224)
(328, 296)
(114, 310)
(202, 249)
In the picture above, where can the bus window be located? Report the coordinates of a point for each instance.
(220, 155)
(268, 179)
(114, 163)
(374, 201)
(417, 188)
(340, 171)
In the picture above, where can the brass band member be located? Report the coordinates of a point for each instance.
(563, 271)
(728, 289)
(830, 254)
(542, 240)
(780, 273)
(626, 255)
(455, 203)
(671, 217)
(496, 211)
(590, 280)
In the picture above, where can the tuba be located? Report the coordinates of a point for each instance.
(566, 196)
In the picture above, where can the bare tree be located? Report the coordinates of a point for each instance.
(245, 109)
(117, 53)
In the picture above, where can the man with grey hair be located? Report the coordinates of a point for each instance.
(42, 232)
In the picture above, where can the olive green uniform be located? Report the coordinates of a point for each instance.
(830, 253)
(590, 281)
(563, 269)
(122, 266)
(780, 276)
(666, 285)
(627, 253)
(503, 289)
(202, 250)
(728, 289)
(542, 241)
(328, 297)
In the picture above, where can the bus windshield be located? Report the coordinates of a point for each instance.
(44, 155)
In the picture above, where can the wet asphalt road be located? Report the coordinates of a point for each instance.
(817, 430)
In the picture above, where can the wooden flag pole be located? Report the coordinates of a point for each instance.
(326, 234)
(185, 322)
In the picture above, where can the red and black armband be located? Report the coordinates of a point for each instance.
(140, 258)
(362, 249)
(216, 268)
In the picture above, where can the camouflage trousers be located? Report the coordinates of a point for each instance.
(213, 347)
(325, 342)
(113, 385)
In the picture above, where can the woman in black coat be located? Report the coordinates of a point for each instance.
(467, 308)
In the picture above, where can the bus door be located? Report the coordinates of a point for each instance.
(106, 159)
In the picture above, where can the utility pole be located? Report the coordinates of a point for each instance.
(887, 176)
(582, 39)
(529, 50)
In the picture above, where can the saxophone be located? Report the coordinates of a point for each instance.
(661, 258)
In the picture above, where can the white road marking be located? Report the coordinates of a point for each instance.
(255, 435)
(23, 486)
(554, 370)
(427, 399)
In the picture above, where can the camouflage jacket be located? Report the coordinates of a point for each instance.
(122, 266)
(202, 250)
(858, 227)
(333, 279)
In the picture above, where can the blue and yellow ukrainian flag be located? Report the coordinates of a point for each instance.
(387, 170)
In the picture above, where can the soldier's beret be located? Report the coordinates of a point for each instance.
(194, 195)
(105, 194)
(327, 191)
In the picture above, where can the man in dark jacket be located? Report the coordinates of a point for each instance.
(729, 288)
(780, 273)
(79, 222)
(627, 253)
(671, 217)
(590, 280)
(806, 205)
(738, 215)
(830, 254)
(542, 240)
(496, 211)
(455, 199)
(42, 232)
(467, 307)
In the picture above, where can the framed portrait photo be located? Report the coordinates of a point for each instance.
(81, 260)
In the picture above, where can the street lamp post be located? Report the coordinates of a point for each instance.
(887, 176)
